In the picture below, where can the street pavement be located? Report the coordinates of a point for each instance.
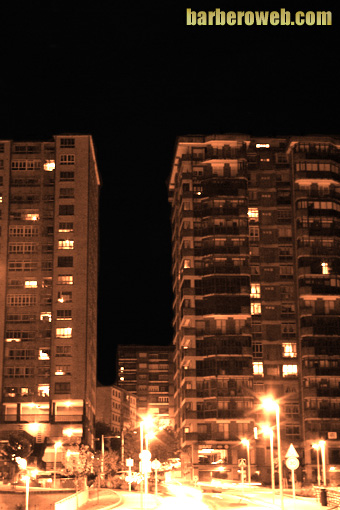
(107, 499)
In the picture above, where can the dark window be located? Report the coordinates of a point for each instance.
(65, 261)
(66, 210)
(67, 142)
(67, 176)
(63, 387)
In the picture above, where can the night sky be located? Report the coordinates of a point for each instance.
(136, 77)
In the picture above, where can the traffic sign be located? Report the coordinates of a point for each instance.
(145, 455)
(292, 463)
(291, 452)
(242, 462)
(155, 464)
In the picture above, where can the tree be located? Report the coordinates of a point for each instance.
(78, 460)
(163, 445)
(20, 445)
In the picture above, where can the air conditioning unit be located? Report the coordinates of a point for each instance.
(332, 435)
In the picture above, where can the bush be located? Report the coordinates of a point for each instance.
(115, 482)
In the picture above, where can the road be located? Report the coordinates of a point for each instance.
(255, 498)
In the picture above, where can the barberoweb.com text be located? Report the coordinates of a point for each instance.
(248, 18)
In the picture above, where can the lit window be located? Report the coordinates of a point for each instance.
(62, 370)
(46, 316)
(49, 165)
(289, 350)
(65, 244)
(13, 339)
(31, 217)
(65, 279)
(255, 291)
(288, 370)
(43, 390)
(31, 284)
(253, 213)
(64, 332)
(325, 268)
(65, 227)
(65, 297)
(44, 354)
(255, 308)
(258, 368)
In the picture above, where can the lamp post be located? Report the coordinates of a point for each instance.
(144, 424)
(246, 443)
(316, 447)
(103, 453)
(56, 446)
(269, 431)
(323, 459)
(271, 405)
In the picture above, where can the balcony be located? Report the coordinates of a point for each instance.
(319, 176)
(323, 155)
(319, 290)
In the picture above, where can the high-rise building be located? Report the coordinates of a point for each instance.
(48, 296)
(147, 372)
(256, 238)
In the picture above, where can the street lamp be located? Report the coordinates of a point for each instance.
(323, 459)
(316, 447)
(56, 446)
(267, 430)
(271, 405)
(246, 443)
(145, 425)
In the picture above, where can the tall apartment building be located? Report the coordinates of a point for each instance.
(256, 238)
(147, 372)
(48, 294)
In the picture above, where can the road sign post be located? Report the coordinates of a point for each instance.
(242, 464)
(292, 463)
(155, 464)
(129, 463)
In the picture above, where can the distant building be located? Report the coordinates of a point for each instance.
(256, 281)
(116, 408)
(147, 372)
(48, 295)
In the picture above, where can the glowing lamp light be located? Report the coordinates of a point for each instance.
(68, 432)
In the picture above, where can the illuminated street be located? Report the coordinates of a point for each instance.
(183, 497)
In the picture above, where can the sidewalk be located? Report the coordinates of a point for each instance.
(300, 503)
(106, 499)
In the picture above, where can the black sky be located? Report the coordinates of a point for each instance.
(136, 77)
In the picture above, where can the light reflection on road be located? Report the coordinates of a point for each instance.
(183, 498)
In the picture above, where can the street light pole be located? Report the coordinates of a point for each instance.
(316, 447)
(323, 459)
(277, 412)
(56, 446)
(269, 430)
(271, 405)
(246, 443)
